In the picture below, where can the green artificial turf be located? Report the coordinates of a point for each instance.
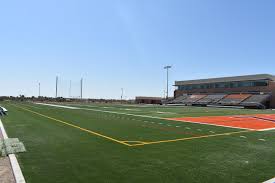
(60, 153)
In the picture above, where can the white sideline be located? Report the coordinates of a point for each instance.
(138, 115)
(270, 181)
(267, 129)
(18, 175)
(60, 106)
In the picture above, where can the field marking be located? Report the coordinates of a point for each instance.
(17, 172)
(162, 141)
(191, 138)
(59, 106)
(270, 181)
(211, 124)
(267, 129)
(136, 142)
(75, 126)
(144, 116)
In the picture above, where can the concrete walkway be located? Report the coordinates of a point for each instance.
(6, 174)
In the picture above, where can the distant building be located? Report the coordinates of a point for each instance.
(248, 91)
(148, 100)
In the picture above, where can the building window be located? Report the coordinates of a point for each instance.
(225, 85)
(260, 83)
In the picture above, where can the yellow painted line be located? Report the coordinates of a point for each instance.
(134, 141)
(191, 138)
(75, 126)
(140, 143)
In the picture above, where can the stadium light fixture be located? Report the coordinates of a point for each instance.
(167, 86)
(38, 89)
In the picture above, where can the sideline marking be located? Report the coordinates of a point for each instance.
(270, 181)
(211, 124)
(17, 173)
(191, 138)
(75, 126)
(267, 129)
(138, 115)
(143, 143)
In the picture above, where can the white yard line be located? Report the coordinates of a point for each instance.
(98, 110)
(267, 129)
(211, 124)
(138, 115)
(270, 181)
(60, 106)
(159, 112)
(18, 175)
(132, 110)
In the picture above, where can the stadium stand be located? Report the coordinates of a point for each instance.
(210, 99)
(242, 91)
(244, 100)
(257, 101)
(191, 99)
(179, 99)
(234, 99)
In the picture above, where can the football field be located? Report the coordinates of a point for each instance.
(141, 143)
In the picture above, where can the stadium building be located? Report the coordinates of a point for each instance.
(250, 91)
(148, 100)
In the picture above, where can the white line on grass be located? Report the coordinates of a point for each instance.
(270, 181)
(59, 106)
(138, 115)
(203, 123)
(18, 175)
(262, 140)
(267, 129)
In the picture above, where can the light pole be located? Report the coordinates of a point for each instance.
(122, 91)
(38, 90)
(70, 89)
(56, 86)
(167, 86)
(81, 88)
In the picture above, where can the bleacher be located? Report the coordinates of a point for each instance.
(234, 99)
(211, 99)
(191, 99)
(179, 99)
(257, 101)
(244, 100)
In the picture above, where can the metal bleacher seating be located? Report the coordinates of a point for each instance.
(222, 99)
(210, 99)
(179, 99)
(191, 99)
(234, 99)
(257, 101)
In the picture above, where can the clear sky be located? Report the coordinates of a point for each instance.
(116, 44)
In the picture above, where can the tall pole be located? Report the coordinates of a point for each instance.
(38, 90)
(70, 89)
(167, 84)
(56, 86)
(121, 97)
(81, 88)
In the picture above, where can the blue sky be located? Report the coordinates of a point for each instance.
(116, 44)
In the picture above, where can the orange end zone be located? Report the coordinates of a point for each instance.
(250, 122)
